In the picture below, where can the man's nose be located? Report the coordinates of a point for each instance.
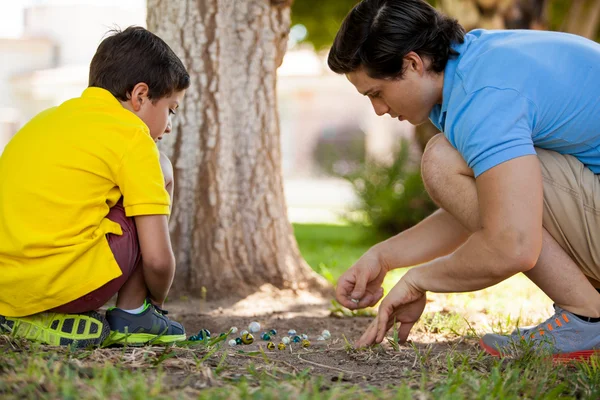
(380, 107)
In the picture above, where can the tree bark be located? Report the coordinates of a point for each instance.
(229, 225)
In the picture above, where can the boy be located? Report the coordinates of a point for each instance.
(84, 200)
(515, 171)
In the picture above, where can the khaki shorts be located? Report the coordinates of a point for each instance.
(572, 208)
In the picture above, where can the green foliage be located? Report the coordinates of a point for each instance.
(321, 18)
(392, 196)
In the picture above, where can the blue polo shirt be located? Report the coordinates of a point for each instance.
(509, 91)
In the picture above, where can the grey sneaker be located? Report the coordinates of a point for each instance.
(563, 335)
(151, 326)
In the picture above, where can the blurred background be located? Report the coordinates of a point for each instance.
(333, 144)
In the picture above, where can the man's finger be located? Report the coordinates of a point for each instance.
(382, 321)
(343, 290)
(404, 331)
(367, 338)
(378, 295)
(361, 285)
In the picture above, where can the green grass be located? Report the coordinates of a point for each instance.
(332, 249)
(206, 371)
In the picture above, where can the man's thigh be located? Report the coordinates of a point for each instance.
(572, 208)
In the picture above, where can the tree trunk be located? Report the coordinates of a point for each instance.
(229, 225)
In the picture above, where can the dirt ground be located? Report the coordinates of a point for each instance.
(331, 359)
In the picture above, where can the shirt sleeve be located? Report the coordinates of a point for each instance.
(141, 180)
(493, 126)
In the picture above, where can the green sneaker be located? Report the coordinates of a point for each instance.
(56, 329)
(151, 326)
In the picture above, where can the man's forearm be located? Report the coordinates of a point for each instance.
(476, 265)
(435, 236)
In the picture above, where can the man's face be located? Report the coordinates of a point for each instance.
(410, 98)
(157, 115)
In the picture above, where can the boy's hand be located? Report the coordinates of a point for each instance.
(404, 304)
(360, 285)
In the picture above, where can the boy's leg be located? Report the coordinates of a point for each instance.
(151, 323)
(451, 184)
(78, 319)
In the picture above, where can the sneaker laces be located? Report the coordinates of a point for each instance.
(160, 310)
(555, 321)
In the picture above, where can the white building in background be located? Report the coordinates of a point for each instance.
(48, 60)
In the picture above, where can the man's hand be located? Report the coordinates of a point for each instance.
(360, 285)
(405, 304)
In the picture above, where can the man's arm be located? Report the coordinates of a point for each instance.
(437, 235)
(511, 204)
(157, 256)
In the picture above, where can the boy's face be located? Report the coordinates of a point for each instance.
(411, 98)
(157, 115)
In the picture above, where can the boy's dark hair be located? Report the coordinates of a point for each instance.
(377, 34)
(136, 55)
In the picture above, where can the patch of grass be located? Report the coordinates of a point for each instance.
(210, 369)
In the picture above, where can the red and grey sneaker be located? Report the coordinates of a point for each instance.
(56, 329)
(151, 326)
(564, 335)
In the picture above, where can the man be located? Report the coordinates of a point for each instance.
(514, 170)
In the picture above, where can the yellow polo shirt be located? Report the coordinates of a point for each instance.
(59, 176)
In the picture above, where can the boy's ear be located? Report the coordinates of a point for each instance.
(139, 95)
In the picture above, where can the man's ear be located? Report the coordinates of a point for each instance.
(139, 95)
(414, 62)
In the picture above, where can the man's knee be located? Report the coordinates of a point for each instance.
(434, 157)
(440, 162)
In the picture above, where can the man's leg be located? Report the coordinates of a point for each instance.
(451, 184)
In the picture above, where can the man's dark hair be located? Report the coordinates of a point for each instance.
(136, 55)
(377, 34)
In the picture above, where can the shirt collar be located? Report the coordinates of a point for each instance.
(438, 113)
(101, 94)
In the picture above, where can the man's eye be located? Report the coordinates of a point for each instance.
(374, 95)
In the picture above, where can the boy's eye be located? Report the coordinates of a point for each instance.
(171, 111)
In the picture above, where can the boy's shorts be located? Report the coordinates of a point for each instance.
(126, 250)
(572, 208)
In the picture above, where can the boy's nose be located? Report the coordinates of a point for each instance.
(169, 126)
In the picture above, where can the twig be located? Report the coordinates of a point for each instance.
(326, 366)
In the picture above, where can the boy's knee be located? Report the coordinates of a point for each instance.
(167, 169)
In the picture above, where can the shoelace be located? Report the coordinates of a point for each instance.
(160, 310)
(559, 320)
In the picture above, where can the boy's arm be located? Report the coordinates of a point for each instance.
(157, 255)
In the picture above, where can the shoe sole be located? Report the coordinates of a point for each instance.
(55, 329)
(557, 358)
(141, 339)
